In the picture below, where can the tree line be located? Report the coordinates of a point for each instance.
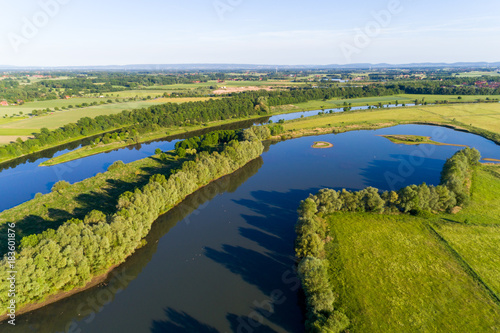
(66, 258)
(451, 192)
(312, 230)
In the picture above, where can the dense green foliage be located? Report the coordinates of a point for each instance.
(70, 256)
(321, 316)
(446, 87)
(206, 141)
(313, 272)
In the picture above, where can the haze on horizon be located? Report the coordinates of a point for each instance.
(86, 33)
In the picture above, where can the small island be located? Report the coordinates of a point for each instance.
(491, 159)
(416, 140)
(322, 145)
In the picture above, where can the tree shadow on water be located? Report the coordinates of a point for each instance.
(275, 212)
(180, 322)
(402, 171)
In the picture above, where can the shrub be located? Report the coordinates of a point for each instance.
(60, 186)
(116, 165)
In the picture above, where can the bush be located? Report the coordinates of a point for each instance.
(116, 165)
(60, 186)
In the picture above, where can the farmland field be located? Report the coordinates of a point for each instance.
(60, 118)
(478, 74)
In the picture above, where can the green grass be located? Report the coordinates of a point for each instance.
(415, 140)
(373, 101)
(478, 246)
(394, 275)
(481, 115)
(477, 74)
(92, 150)
(484, 207)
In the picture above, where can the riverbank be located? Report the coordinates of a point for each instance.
(96, 280)
(164, 132)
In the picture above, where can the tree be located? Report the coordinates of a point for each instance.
(307, 208)
(181, 152)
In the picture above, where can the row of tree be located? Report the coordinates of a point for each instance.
(62, 259)
(453, 191)
(313, 268)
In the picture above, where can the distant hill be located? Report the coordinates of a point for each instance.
(226, 67)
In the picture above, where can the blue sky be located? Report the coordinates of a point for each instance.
(90, 32)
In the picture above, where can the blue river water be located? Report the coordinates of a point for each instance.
(222, 261)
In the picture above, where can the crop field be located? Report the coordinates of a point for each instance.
(28, 107)
(478, 74)
(394, 275)
(59, 118)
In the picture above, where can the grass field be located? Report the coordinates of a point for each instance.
(373, 101)
(477, 74)
(28, 107)
(482, 115)
(395, 276)
(478, 246)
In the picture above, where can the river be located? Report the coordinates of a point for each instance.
(222, 261)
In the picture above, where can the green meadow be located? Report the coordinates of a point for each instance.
(374, 101)
(401, 273)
